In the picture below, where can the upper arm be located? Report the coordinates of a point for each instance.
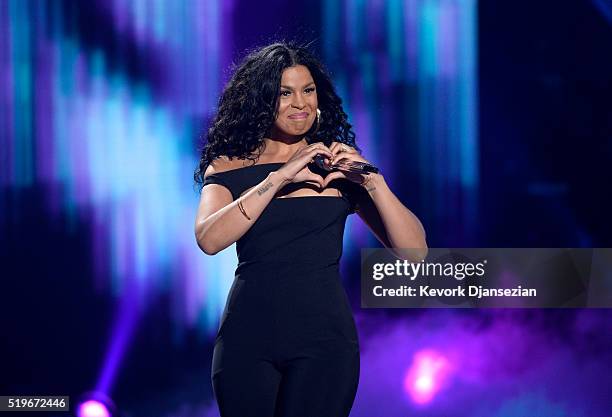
(213, 196)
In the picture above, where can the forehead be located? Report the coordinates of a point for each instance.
(298, 75)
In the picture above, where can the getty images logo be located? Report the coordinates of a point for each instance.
(411, 270)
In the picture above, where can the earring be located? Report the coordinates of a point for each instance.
(318, 122)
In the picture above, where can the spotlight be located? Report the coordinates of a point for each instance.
(425, 377)
(95, 404)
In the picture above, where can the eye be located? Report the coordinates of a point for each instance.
(285, 93)
(309, 90)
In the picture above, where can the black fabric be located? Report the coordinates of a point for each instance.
(241, 179)
(218, 179)
(287, 344)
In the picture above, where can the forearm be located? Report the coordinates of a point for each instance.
(402, 227)
(226, 226)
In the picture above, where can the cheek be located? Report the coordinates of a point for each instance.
(281, 114)
(312, 118)
(280, 125)
(314, 102)
(283, 106)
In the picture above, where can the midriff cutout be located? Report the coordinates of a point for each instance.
(305, 191)
(328, 192)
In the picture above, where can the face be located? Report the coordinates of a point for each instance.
(297, 102)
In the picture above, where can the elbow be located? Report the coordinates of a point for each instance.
(207, 248)
(205, 243)
(411, 254)
(422, 250)
(414, 253)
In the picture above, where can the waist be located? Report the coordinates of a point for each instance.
(280, 267)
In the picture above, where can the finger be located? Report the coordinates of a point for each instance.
(324, 150)
(308, 157)
(339, 148)
(353, 156)
(317, 144)
(316, 179)
(342, 148)
(335, 147)
(309, 148)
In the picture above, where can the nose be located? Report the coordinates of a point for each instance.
(298, 101)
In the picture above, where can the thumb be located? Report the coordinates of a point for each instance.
(333, 176)
(316, 178)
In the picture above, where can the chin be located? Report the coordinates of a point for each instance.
(304, 130)
(295, 132)
(292, 131)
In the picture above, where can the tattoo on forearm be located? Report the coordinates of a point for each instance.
(368, 187)
(264, 188)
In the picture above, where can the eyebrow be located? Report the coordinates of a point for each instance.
(291, 88)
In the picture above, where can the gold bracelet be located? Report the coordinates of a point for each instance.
(241, 208)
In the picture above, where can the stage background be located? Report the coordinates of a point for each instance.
(491, 121)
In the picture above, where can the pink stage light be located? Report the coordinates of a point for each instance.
(93, 408)
(425, 377)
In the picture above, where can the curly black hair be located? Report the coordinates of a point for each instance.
(249, 104)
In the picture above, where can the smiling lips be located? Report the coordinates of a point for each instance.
(298, 116)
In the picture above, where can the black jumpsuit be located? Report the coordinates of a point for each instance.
(287, 344)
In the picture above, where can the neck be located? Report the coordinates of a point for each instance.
(284, 145)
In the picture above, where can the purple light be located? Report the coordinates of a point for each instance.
(425, 377)
(93, 408)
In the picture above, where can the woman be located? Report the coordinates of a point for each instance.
(287, 344)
